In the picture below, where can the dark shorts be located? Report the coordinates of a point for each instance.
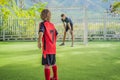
(49, 60)
(67, 28)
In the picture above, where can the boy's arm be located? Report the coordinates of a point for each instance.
(40, 39)
(56, 34)
(40, 34)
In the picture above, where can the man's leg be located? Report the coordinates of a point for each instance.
(47, 72)
(72, 37)
(64, 37)
(63, 42)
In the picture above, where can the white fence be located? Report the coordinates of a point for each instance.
(17, 29)
(99, 28)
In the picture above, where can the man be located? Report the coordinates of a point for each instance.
(68, 25)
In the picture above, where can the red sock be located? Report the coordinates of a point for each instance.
(47, 74)
(54, 68)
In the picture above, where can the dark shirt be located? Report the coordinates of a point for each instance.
(67, 20)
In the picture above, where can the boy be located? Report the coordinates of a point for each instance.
(68, 25)
(47, 41)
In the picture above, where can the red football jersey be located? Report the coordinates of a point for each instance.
(49, 39)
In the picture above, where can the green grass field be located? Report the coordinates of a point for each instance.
(96, 61)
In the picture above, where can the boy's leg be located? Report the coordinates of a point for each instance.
(47, 72)
(55, 75)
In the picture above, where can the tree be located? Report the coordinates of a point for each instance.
(115, 7)
(9, 8)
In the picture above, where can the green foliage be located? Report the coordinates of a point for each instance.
(108, 0)
(115, 6)
(9, 9)
(35, 10)
(4, 2)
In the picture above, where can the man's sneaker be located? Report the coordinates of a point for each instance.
(72, 46)
(62, 44)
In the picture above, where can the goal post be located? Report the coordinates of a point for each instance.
(85, 39)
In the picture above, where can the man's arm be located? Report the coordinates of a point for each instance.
(40, 39)
(69, 26)
(64, 25)
(68, 23)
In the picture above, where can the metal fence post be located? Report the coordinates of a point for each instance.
(85, 26)
(3, 34)
(35, 29)
(105, 26)
(0, 26)
(3, 29)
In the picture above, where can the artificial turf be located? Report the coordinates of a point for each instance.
(95, 61)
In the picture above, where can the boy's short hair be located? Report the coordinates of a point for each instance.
(45, 15)
(62, 15)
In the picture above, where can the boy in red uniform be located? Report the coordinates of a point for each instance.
(47, 41)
